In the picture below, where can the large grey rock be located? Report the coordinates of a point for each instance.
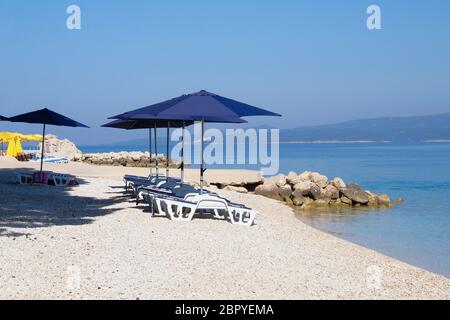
(144, 159)
(269, 191)
(319, 179)
(373, 199)
(278, 180)
(305, 176)
(384, 200)
(304, 187)
(136, 156)
(297, 198)
(292, 178)
(285, 191)
(345, 200)
(317, 193)
(339, 183)
(61, 148)
(354, 193)
(332, 192)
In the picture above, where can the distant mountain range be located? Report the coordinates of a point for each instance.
(389, 129)
(394, 129)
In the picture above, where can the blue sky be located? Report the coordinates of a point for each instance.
(313, 61)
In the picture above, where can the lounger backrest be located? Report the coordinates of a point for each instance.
(171, 184)
(183, 190)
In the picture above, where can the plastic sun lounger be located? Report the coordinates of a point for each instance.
(174, 188)
(186, 194)
(51, 159)
(184, 209)
(145, 191)
(137, 184)
(134, 182)
(157, 183)
(25, 178)
(62, 180)
(130, 181)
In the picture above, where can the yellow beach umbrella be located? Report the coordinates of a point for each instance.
(6, 136)
(14, 147)
(15, 139)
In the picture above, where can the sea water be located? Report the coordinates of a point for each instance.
(416, 231)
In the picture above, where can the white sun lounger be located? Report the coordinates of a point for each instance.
(51, 159)
(184, 209)
(134, 182)
(62, 180)
(162, 186)
(25, 178)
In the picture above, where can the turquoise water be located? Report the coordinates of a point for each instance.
(417, 231)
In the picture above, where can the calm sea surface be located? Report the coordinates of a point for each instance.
(417, 231)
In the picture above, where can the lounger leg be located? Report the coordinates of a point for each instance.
(138, 197)
(25, 179)
(151, 203)
(128, 185)
(176, 211)
(218, 215)
(159, 207)
(243, 217)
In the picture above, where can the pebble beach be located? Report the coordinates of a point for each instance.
(92, 242)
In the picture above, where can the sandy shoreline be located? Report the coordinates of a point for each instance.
(49, 237)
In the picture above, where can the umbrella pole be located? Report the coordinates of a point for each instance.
(167, 150)
(182, 153)
(201, 157)
(150, 151)
(42, 154)
(156, 154)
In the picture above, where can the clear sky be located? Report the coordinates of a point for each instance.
(313, 61)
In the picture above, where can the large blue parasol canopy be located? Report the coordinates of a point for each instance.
(198, 106)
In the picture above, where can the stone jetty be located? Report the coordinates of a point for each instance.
(125, 159)
(309, 190)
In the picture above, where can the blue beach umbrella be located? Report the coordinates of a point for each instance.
(46, 117)
(201, 106)
(149, 124)
(2, 118)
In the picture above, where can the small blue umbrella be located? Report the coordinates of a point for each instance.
(46, 117)
(149, 124)
(201, 106)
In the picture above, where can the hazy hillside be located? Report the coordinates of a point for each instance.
(380, 129)
(396, 129)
